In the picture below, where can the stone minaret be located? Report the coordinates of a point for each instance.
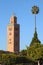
(13, 35)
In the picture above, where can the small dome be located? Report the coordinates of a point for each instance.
(13, 19)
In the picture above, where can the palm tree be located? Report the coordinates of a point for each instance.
(35, 10)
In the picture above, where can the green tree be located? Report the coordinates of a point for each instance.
(35, 51)
(23, 53)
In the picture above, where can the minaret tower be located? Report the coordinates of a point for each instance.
(13, 35)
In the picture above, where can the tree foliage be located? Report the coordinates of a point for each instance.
(35, 52)
(35, 39)
(32, 53)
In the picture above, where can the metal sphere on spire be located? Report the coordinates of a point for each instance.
(35, 10)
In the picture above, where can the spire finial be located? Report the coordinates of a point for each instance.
(13, 14)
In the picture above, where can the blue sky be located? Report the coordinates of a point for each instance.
(22, 9)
